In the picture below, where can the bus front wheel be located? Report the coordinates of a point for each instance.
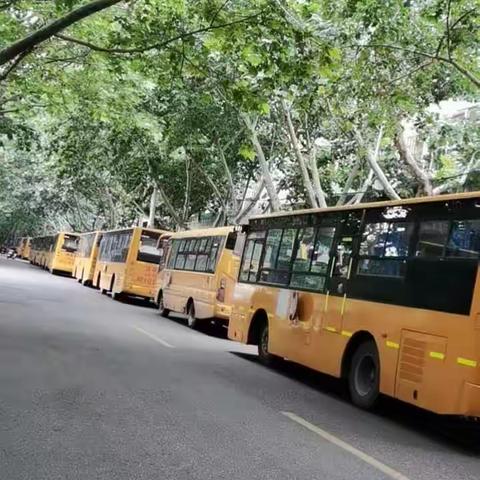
(364, 376)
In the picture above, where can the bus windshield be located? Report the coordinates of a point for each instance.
(148, 250)
(70, 243)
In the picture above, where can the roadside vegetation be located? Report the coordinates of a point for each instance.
(173, 110)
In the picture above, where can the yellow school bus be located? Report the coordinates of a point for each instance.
(23, 247)
(26, 249)
(128, 262)
(54, 252)
(385, 295)
(163, 251)
(200, 274)
(86, 257)
(38, 250)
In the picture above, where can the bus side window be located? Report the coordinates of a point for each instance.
(464, 239)
(239, 244)
(432, 237)
(247, 258)
(173, 253)
(231, 241)
(214, 251)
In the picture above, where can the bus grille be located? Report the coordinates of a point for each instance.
(412, 360)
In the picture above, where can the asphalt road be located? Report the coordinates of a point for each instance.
(91, 388)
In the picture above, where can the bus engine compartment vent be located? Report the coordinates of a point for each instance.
(412, 359)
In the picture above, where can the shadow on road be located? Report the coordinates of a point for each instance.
(461, 434)
(207, 327)
(136, 301)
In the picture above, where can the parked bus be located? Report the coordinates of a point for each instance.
(163, 250)
(26, 249)
(54, 252)
(23, 247)
(128, 262)
(86, 257)
(385, 295)
(200, 274)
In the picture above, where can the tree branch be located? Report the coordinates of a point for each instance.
(155, 46)
(434, 56)
(14, 65)
(51, 29)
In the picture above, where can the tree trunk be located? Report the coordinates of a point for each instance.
(153, 206)
(188, 186)
(348, 184)
(299, 156)
(229, 178)
(365, 186)
(220, 219)
(372, 158)
(251, 203)
(32, 40)
(319, 193)
(168, 204)
(408, 157)
(270, 186)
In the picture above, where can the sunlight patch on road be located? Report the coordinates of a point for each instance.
(153, 337)
(388, 471)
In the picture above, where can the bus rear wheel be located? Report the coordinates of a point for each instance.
(191, 319)
(265, 356)
(364, 376)
(164, 312)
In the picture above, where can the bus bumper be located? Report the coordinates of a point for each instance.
(470, 403)
(223, 311)
(139, 291)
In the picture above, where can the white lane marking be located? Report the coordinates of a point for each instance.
(153, 337)
(390, 472)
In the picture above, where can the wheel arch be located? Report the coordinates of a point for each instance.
(159, 294)
(355, 341)
(112, 282)
(259, 318)
(190, 301)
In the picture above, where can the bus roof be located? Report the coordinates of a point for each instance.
(204, 232)
(125, 229)
(360, 206)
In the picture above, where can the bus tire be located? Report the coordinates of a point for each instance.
(118, 296)
(364, 375)
(164, 312)
(192, 321)
(265, 356)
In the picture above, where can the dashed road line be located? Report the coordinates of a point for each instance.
(153, 337)
(390, 472)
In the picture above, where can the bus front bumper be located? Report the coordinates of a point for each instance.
(470, 403)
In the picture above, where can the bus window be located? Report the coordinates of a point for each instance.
(148, 250)
(464, 239)
(432, 237)
(384, 249)
(217, 243)
(191, 254)
(231, 241)
(321, 253)
(70, 243)
(272, 245)
(305, 249)
(251, 257)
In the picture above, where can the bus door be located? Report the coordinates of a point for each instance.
(337, 291)
(340, 271)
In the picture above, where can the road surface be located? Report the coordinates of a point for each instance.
(91, 388)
